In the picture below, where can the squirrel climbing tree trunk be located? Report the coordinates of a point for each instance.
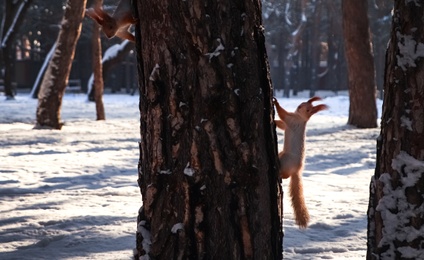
(208, 154)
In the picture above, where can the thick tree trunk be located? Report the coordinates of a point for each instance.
(208, 163)
(362, 88)
(56, 77)
(98, 84)
(396, 208)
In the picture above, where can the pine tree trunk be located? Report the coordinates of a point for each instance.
(362, 88)
(208, 163)
(396, 209)
(56, 77)
(98, 83)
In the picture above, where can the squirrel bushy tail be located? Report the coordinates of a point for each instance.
(301, 214)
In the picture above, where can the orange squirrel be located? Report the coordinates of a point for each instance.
(293, 155)
(118, 23)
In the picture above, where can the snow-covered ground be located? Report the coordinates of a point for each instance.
(73, 194)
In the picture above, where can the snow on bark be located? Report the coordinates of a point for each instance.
(109, 54)
(175, 228)
(188, 170)
(217, 50)
(397, 211)
(147, 239)
(409, 51)
(42, 70)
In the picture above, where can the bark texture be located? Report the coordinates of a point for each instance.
(208, 155)
(56, 77)
(396, 209)
(98, 83)
(360, 64)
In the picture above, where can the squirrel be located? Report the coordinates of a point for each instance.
(118, 23)
(293, 155)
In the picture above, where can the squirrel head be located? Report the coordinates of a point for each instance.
(306, 109)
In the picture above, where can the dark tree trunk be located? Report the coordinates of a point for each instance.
(335, 39)
(56, 77)
(208, 163)
(396, 209)
(315, 49)
(363, 108)
(98, 84)
(14, 12)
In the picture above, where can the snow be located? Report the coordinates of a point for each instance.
(217, 50)
(175, 228)
(73, 194)
(188, 170)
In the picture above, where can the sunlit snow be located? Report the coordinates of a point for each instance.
(73, 194)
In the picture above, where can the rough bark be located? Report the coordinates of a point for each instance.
(361, 73)
(56, 77)
(396, 209)
(208, 156)
(98, 84)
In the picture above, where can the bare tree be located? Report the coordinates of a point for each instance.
(396, 206)
(56, 77)
(98, 84)
(13, 16)
(361, 72)
(208, 156)
(113, 56)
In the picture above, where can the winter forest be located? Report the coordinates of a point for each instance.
(273, 129)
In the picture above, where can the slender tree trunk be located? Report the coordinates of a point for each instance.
(98, 83)
(113, 56)
(396, 206)
(208, 163)
(362, 88)
(56, 77)
(14, 13)
(315, 49)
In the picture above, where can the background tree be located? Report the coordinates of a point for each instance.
(362, 88)
(41, 27)
(98, 84)
(396, 209)
(14, 12)
(56, 76)
(113, 56)
(208, 156)
(380, 13)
